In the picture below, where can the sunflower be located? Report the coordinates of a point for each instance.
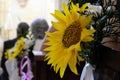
(15, 51)
(65, 42)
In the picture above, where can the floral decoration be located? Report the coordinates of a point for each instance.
(72, 30)
(80, 28)
(20, 49)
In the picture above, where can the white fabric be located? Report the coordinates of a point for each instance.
(38, 53)
(28, 43)
(1, 50)
(1, 70)
(12, 69)
(38, 44)
(87, 73)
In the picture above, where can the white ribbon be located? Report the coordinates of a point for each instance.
(87, 73)
(26, 75)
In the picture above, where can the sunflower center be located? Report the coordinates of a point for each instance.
(72, 34)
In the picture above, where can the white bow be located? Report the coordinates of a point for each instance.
(87, 73)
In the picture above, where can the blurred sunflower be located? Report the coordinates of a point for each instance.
(65, 42)
(15, 51)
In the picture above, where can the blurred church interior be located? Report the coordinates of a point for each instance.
(14, 11)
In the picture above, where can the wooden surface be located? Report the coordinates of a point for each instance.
(42, 71)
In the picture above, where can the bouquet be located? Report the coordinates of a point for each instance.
(80, 28)
(21, 48)
(15, 56)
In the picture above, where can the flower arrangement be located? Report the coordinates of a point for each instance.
(79, 29)
(16, 54)
(15, 51)
(64, 44)
(20, 49)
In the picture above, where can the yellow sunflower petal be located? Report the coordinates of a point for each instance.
(80, 58)
(87, 39)
(63, 65)
(58, 26)
(73, 61)
(83, 8)
(67, 14)
(74, 11)
(53, 47)
(75, 7)
(66, 10)
(86, 34)
(78, 46)
(59, 16)
(85, 20)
